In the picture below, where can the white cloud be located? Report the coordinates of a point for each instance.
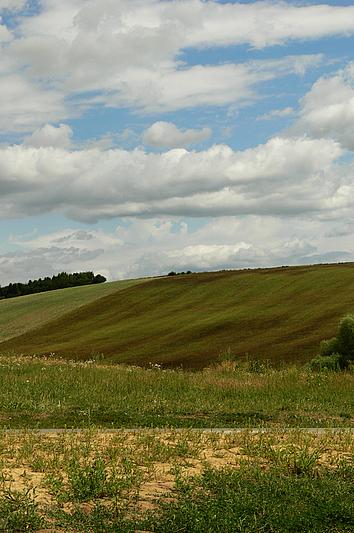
(282, 176)
(167, 135)
(48, 135)
(141, 247)
(145, 25)
(327, 110)
(171, 89)
(25, 105)
(12, 4)
(76, 54)
(277, 113)
(261, 24)
(208, 256)
(130, 52)
(83, 240)
(5, 34)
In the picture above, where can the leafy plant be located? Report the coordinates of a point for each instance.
(338, 351)
(252, 500)
(19, 511)
(325, 362)
(88, 481)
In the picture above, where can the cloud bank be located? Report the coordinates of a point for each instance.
(285, 175)
(74, 55)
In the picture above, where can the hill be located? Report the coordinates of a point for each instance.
(279, 314)
(18, 315)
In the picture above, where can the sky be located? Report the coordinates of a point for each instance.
(143, 136)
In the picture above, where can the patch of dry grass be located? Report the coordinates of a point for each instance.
(35, 460)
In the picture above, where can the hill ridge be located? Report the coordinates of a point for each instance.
(278, 313)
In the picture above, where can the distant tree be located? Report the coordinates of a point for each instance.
(173, 273)
(59, 281)
(99, 279)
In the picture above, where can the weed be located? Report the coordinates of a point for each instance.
(88, 481)
(19, 511)
(251, 500)
(103, 481)
(299, 461)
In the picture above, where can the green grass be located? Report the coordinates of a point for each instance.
(279, 314)
(19, 315)
(251, 500)
(183, 482)
(48, 394)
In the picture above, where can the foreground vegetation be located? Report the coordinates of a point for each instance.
(279, 314)
(177, 482)
(46, 393)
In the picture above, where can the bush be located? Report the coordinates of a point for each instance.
(329, 347)
(338, 352)
(345, 339)
(325, 362)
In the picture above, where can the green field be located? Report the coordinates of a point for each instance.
(278, 314)
(19, 315)
(56, 394)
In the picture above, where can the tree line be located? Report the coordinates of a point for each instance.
(59, 281)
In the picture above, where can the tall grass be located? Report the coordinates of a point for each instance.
(53, 393)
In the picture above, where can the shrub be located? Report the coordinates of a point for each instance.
(338, 352)
(19, 511)
(329, 347)
(325, 362)
(345, 339)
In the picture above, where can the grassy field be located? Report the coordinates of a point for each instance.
(183, 482)
(178, 480)
(279, 314)
(49, 393)
(22, 314)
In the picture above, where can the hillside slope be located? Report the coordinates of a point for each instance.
(24, 313)
(279, 314)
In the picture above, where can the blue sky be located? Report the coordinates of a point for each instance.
(140, 136)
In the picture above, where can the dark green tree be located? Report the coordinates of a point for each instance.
(341, 347)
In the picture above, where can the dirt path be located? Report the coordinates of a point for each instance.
(225, 431)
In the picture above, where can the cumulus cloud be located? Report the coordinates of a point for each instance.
(5, 35)
(262, 24)
(327, 110)
(172, 88)
(64, 250)
(130, 53)
(209, 256)
(282, 176)
(277, 113)
(167, 135)
(194, 22)
(48, 135)
(12, 4)
(140, 247)
(24, 105)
